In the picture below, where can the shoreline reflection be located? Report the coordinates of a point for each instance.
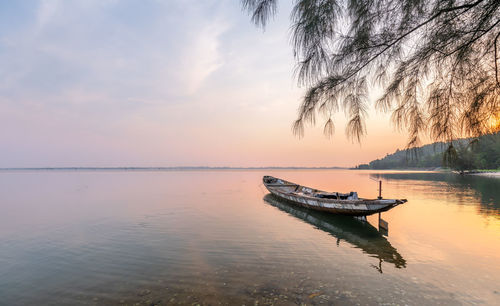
(485, 188)
(361, 235)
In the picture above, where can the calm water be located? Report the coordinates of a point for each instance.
(171, 237)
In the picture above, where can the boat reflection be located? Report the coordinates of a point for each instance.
(360, 234)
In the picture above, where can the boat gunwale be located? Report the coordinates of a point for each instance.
(359, 201)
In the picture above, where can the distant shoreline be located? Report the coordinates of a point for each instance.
(484, 174)
(487, 174)
(405, 169)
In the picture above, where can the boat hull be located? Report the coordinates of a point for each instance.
(358, 207)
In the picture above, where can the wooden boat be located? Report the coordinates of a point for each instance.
(332, 202)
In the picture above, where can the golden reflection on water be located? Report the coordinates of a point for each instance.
(450, 223)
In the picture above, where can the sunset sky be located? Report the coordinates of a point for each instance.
(158, 83)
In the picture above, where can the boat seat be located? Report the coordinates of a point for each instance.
(281, 185)
(335, 195)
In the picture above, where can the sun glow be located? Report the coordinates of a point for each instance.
(495, 123)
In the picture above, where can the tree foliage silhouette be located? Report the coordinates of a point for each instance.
(437, 61)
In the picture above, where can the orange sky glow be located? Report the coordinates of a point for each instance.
(207, 89)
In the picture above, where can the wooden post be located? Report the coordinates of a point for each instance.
(379, 190)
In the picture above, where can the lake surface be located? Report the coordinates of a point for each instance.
(217, 237)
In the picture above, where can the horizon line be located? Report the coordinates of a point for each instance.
(170, 168)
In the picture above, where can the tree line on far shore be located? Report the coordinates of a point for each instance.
(481, 153)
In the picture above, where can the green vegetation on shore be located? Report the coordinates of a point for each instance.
(466, 154)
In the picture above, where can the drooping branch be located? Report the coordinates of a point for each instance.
(496, 59)
(431, 57)
(400, 38)
(261, 10)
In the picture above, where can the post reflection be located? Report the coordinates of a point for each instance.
(361, 235)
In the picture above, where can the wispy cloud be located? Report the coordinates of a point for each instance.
(92, 82)
(87, 45)
(46, 11)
